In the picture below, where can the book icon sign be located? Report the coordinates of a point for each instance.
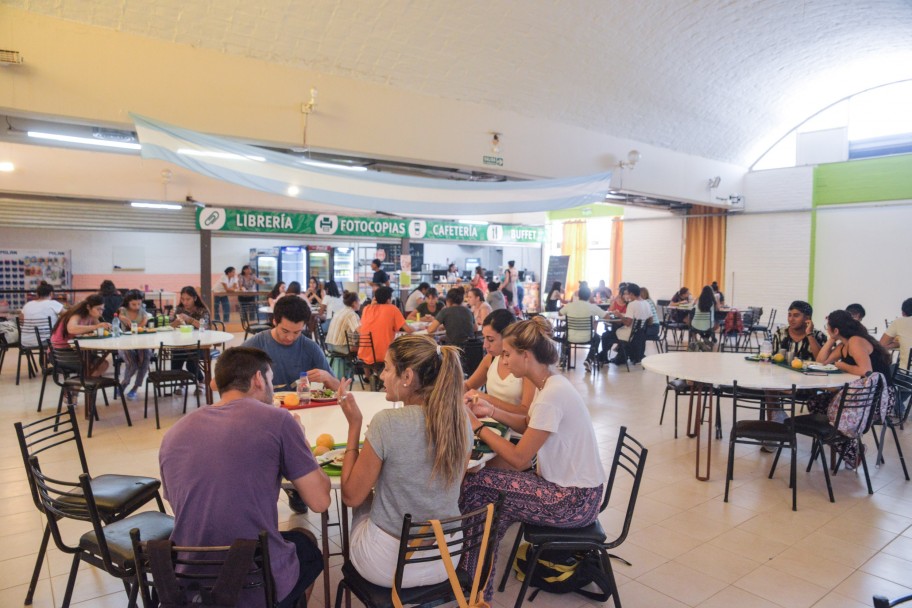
(212, 218)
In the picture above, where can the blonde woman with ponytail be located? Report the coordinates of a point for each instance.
(414, 457)
(566, 488)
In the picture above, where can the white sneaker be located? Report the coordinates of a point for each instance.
(588, 365)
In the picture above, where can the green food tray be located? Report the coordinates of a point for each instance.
(483, 447)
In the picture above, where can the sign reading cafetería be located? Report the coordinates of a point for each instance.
(280, 222)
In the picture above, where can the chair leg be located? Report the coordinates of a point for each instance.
(38, 563)
(815, 445)
(123, 401)
(506, 573)
(793, 475)
(826, 471)
(609, 572)
(155, 399)
(661, 416)
(902, 459)
(71, 581)
(864, 465)
(186, 395)
(775, 461)
(531, 562)
(146, 406)
(90, 409)
(730, 469)
(18, 367)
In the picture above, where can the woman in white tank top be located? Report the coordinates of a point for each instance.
(502, 389)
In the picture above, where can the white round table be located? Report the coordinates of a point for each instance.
(152, 340)
(722, 369)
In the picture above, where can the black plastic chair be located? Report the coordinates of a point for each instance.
(116, 496)
(163, 378)
(250, 320)
(860, 401)
(69, 374)
(201, 576)
(39, 327)
(764, 329)
(44, 365)
(882, 602)
(756, 429)
(577, 325)
(678, 387)
(472, 355)
(629, 456)
(900, 393)
(418, 544)
(635, 347)
(105, 546)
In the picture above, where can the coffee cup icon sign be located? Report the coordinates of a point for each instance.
(417, 229)
(212, 218)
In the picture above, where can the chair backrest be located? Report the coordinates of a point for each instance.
(856, 408)
(321, 336)
(249, 315)
(418, 542)
(356, 340)
(754, 403)
(217, 325)
(66, 362)
(771, 321)
(472, 354)
(177, 354)
(49, 432)
(202, 576)
(578, 326)
(29, 327)
(629, 457)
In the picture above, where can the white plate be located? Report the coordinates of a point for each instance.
(330, 456)
(161, 329)
(817, 367)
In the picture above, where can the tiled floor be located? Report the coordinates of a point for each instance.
(687, 547)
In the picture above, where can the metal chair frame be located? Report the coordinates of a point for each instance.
(29, 352)
(164, 378)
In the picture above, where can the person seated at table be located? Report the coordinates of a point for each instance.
(718, 296)
(703, 320)
(683, 299)
(582, 308)
(555, 297)
(898, 334)
(293, 289)
(502, 388)
(637, 310)
(566, 488)
(602, 293)
(380, 278)
(455, 318)
(479, 281)
(314, 295)
(38, 312)
(222, 467)
(416, 297)
(344, 321)
(332, 303)
(136, 361)
(413, 458)
(381, 320)
(799, 337)
(619, 303)
(292, 352)
(495, 297)
(190, 311)
(652, 329)
(277, 292)
(480, 309)
(856, 311)
(81, 320)
(428, 309)
(113, 299)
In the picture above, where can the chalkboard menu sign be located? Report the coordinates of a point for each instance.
(557, 271)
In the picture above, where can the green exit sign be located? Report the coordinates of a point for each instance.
(493, 160)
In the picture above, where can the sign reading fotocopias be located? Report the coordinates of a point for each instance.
(276, 222)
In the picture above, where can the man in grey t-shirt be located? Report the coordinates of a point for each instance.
(458, 320)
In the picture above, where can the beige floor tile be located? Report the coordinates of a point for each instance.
(812, 567)
(782, 588)
(851, 531)
(90, 584)
(726, 512)
(901, 547)
(890, 567)
(682, 583)
(15, 596)
(732, 597)
(17, 570)
(665, 542)
(835, 549)
(641, 560)
(749, 545)
(861, 587)
(694, 523)
(835, 600)
(636, 594)
(718, 563)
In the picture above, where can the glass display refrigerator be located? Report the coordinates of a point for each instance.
(293, 265)
(344, 265)
(320, 262)
(265, 263)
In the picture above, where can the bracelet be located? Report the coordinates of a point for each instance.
(351, 450)
(491, 415)
(478, 430)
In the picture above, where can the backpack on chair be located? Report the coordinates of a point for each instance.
(564, 572)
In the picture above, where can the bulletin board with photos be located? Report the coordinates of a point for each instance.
(23, 270)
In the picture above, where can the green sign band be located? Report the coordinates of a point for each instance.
(278, 222)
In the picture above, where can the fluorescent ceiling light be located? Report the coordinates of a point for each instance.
(317, 163)
(7, 167)
(474, 222)
(293, 191)
(145, 205)
(224, 155)
(70, 139)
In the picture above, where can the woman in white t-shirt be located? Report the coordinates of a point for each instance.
(566, 488)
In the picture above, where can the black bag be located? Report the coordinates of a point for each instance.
(564, 572)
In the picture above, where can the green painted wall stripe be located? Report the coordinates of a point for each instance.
(586, 211)
(864, 181)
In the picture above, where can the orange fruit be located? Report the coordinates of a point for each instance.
(796, 363)
(326, 440)
(291, 399)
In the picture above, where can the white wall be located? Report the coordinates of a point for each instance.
(652, 250)
(768, 247)
(862, 257)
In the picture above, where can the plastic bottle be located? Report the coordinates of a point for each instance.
(115, 326)
(766, 351)
(304, 389)
(204, 325)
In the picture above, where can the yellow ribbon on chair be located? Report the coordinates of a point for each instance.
(476, 595)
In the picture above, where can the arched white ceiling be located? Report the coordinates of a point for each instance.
(720, 79)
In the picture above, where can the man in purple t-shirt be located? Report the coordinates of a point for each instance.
(222, 466)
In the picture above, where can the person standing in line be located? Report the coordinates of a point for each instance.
(380, 278)
(227, 284)
(495, 297)
(479, 282)
(507, 286)
(248, 282)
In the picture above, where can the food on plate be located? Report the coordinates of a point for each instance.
(291, 399)
(326, 440)
(796, 363)
(322, 393)
(320, 450)
(338, 460)
(778, 358)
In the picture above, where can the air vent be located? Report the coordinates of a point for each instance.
(10, 58)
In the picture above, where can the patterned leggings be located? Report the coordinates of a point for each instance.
(529, 499)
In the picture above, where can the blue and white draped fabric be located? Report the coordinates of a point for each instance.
(282, 174)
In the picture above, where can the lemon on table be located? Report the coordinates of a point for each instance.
(796, 363)
(778, 358)
(326, 440)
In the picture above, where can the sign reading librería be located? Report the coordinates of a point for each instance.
(280, 222)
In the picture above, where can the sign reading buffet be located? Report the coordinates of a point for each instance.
(241, 220)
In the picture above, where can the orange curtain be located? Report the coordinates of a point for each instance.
(704, 249)
(617, 253)
(576, 245)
